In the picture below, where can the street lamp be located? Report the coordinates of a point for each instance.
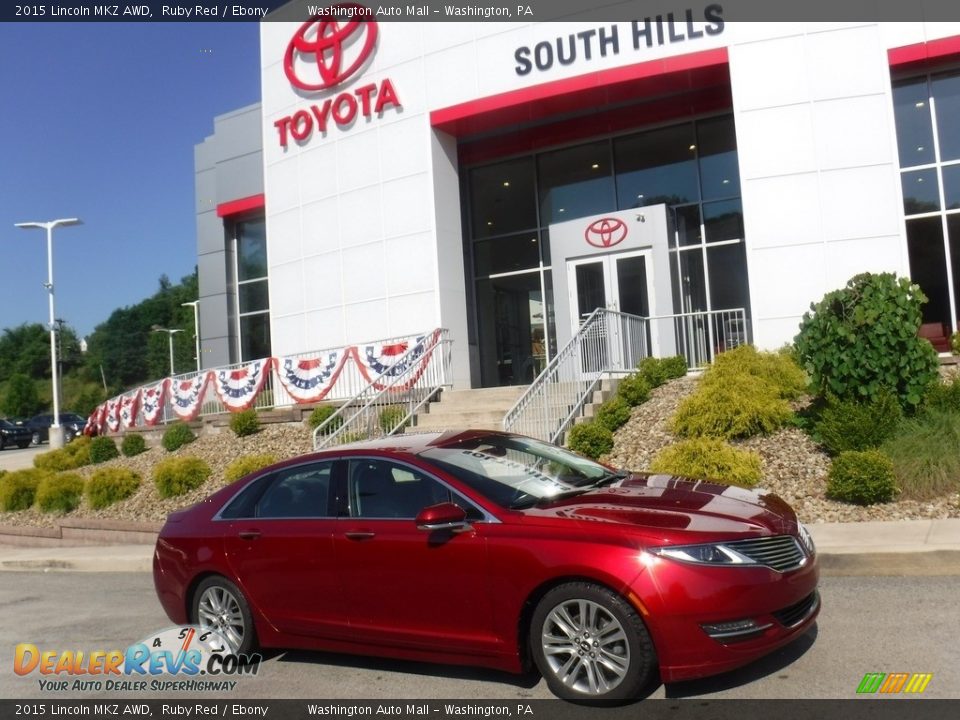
(56, 432)
(196, 327)
(170, 333)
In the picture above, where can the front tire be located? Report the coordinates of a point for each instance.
(23, 445)
(590, 644)
(219, 605)
(35, 438)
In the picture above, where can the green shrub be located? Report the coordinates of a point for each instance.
(777, 369)
(861, 477)
(103, 448)
(177, 435)
(710, 459)
(390, 418)
(70, 457)
(18, 489)
(133, 444)
(955, 343)
(243, 466)
(60, 493)
(943, 396)
(613, 414)
(741, 406)
(847, 425)
(245, 423)
(925, 455)
(634, 390)
(862, 339)
(110, 485)
(179, 475)
(320, 414)
(652, 370)
(590, 439)
(674, 367)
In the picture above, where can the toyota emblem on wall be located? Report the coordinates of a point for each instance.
(340, 46)
(605, 232)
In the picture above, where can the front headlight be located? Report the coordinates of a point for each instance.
(705, 554)
(807, 539)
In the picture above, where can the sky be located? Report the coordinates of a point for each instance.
(99, 122)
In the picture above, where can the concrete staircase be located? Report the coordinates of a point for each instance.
(481, 409)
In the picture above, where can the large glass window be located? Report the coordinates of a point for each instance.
(575, 182)
(655, 167)
(253, 297)
(928, 138)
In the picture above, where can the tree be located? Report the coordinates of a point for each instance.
(25, 350)
(21, 396)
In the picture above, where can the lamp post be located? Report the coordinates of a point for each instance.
(196, 327)
(170, 333)
(56, 432)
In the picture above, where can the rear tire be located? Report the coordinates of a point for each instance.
(590, 645)
(35, 439)
(22, 445)
(219, 605)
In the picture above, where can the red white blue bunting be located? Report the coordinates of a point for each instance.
(93, 424)
(113, 414)
(390, 360)
(238, 389)
(309, 380)
(151, 402)
(129, 404)
(186, 396)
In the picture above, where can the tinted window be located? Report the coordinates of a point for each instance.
(382, 489)
(302, 492)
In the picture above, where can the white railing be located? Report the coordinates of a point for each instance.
(389, 404)
(613, 343)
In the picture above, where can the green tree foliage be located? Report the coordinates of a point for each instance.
(20, 397)
(25, 350)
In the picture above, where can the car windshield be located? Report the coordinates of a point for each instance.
(6, 424)
(517, 472)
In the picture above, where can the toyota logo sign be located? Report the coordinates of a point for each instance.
(605, 232)
(334, 45)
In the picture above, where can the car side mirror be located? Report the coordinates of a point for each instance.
(445, 516)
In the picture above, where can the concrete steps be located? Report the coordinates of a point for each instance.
(478, 409)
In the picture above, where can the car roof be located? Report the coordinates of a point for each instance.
(414, 443)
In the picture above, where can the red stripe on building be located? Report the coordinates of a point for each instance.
(242, 205)
(924, 54)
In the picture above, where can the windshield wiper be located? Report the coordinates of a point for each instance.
(607, 479)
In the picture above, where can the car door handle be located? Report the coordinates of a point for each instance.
(360, 535)
(249, 534)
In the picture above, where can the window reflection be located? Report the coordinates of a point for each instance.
(502, 198)
(921, 191)
(946, 93)
(575, 182)
(911, 111)
(717, 150)
(659, 166)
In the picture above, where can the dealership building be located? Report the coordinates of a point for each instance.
(502, 180)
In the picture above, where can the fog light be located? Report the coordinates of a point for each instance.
(733, 630)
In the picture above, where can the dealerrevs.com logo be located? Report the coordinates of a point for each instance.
(330, 49)
(197, 660)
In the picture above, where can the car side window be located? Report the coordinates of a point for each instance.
(301, 492)
(383, 489)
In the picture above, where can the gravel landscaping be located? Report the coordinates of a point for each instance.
(793, 467)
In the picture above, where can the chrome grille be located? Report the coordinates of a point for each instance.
(782, 552)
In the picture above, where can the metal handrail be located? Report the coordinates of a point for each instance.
(613, 343)
(387, 405)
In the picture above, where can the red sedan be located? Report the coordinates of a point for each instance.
(493, 549)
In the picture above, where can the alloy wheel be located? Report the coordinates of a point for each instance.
(219, 610)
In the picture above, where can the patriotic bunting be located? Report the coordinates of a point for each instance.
(151, 402)
(186, 396)
(309, 380)
(129, 404)
(238, 389)
(113, 414)
(390, 360)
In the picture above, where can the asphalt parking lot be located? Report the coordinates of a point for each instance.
(17, 459)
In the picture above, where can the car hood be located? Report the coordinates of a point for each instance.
(660, 504)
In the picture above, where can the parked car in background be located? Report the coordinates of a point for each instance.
(12, 434)
(493, 549)
(39, 426)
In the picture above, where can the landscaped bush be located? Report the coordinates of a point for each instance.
(955, 343)
(741, 406)
(613, 414)
(925, 455)
(653, 371)
(591, 439)
(391, 416)
(18, 489)
(60, 493)
(847, 425)
(943, 396)
(320, 414)
(177, 435)
(70, 457)
(247, 464)
(777, 369)
(179, 475)
(861, 477)
(862, 339)
(634, 390)
(103, 448)
(133, 444)
(710, 459)
(110, 485)
(245, 423)
(674, 367)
